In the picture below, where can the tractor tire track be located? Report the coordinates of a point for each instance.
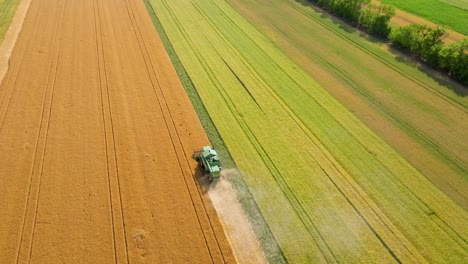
(29, 223)
(116, 205)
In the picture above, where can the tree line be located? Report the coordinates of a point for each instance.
(369, 17)
(427, 44)
(422, 41)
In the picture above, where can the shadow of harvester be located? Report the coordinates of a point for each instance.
(202, 179)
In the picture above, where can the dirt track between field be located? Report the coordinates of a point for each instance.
(96, 136)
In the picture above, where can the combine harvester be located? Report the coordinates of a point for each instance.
(208, 159)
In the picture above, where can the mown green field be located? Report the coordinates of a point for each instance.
(449, 13)
(7, 12)
(458, 3)
(329, 188)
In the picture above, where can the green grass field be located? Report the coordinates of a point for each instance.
(329, 188)
(452, 14)
(7, 12)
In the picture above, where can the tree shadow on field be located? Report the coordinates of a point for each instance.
(373, 39)
(440, 77)
(202, 180)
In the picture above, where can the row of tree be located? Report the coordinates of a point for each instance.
(361, 13)
(420, 40)
(427, 44)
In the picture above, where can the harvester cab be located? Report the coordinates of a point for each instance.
(209, 160)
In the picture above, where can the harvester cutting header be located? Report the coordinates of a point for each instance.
(209, 160)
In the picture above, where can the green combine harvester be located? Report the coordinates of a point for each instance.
(208, 159)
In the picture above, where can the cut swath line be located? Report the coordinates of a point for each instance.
(243, 85)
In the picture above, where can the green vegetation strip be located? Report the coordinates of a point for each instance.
(7, 12)
(329, 188)
(261, 229)
(449, 15)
